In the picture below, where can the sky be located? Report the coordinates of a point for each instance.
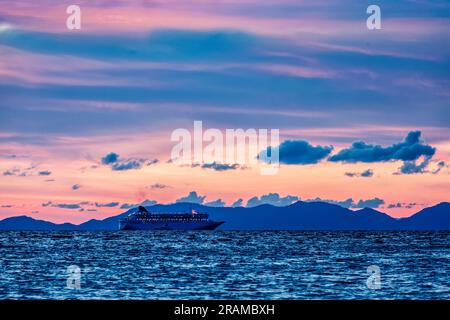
(86, 116)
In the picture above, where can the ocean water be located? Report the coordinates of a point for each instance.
(225, 265)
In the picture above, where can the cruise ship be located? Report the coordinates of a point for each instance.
(144, 220)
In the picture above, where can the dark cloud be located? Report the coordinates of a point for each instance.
(62, 205)
(439, 166)
(350, 203)
(413, 167)
(17, 171)
(408, 150)
(9, 173)
(76, 186)
(110, 158)
(192, 197)
(402, 205)
(273, 199)
(7, 206)
(109, 205)
(67, 206)
(426, 165)
(298, 152)
(220, 166)
(370, 203)
(26, 172)
(127, 165)
(117, 164)
(365, 174)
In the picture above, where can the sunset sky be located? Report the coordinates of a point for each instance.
(86, 115)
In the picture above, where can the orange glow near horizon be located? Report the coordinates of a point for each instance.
(98, 183)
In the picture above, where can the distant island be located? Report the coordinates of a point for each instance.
(298, 216)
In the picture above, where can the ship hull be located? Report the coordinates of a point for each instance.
(200, 225)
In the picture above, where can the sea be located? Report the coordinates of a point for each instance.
(224, 265)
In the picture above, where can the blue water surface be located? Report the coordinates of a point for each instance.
(224, 265)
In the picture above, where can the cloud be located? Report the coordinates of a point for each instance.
(369, 203)
(6, 206)
(76, 187)
(109, 205)
(237, 203)
(145, 203)
(192, 197)
(110, 158)
(127, 165)
(402, 205)
(215, 203)
(201, 61)
(151, 162)
(62, 205)
(8, 156)
(26, 172)
(298, 152)
(408, 150)
(220, 166)
(67, 206)
(420, 167)
(113, 160)
(413, 167)
(159, 186)
(440, 166)
(350, 203)
(273, 199)
(9, 172)
(365, 174)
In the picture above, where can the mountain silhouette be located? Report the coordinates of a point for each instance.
(431, 218)
(297, 216)
(28, 223)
